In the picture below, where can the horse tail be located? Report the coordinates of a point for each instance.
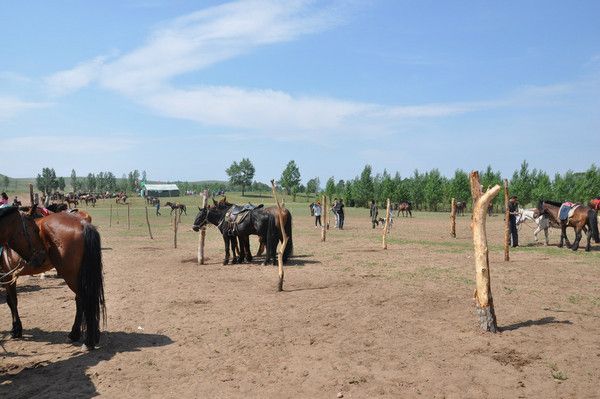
(272, 237)
(289, 248)
(593, 221)
(91, 286)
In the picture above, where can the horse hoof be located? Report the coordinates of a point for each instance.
(74, 336)
(16, 334)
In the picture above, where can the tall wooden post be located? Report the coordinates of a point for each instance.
(128, 218)
(202, 236)
(148, 223)
(110, 217)
(387, 224)
(453, 218)
(484, 303)
(31, 195)
(175, 223)
(324, 217)
(506, 223)
(285, 239)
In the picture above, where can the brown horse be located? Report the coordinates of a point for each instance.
(406, 208)
(176, 206)
(583, 217)
(69, 244)
(461, 206)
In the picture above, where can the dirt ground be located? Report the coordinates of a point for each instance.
(353, 320)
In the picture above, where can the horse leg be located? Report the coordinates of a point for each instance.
(546, 234)
(11, 300)
(588, 247)
(563, 234)
(75, 333)
(536, 232)
(575, 245)
(261, 247)
(226, 260)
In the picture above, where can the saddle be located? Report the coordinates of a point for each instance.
(567, 210)
(237, 214)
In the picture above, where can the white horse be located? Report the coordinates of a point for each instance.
(542, 222)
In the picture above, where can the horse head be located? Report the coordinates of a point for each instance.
(201, 218)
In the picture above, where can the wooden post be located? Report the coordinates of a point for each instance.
(506, 223)
(387, 224)
(484, 303)
(202, 236)
(110, 217)
(324, 217)
(453, 218)
(31, 195)
(175, 231)
(148, 223)
(128, 218)
(285, 239)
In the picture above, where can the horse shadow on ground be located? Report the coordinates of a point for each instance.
(69, 376)
(529, 323)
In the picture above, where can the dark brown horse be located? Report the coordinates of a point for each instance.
(67, 243)
(406, 208)
(461, 206)
(583, 216)
(176, 206)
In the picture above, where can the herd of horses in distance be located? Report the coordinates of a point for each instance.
(37, 239)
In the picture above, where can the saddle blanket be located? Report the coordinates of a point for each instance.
(567, 210)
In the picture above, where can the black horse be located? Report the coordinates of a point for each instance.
(256, 221)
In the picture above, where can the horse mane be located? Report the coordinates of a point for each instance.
(553, 203)
(7, 211)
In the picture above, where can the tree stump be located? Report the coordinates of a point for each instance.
(202, 236)
(285, 239)
(324, 217)
(484, 302)
(386, 227)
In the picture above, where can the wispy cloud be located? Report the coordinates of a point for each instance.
(11, 106)
(71, 80)
(69, 144)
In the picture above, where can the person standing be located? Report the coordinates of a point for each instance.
(311, 207)
(157, 206)
(334, 209)
(317, 212)
(341, 214)
(374, 212)
(513, 211)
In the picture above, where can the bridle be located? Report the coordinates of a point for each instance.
(14, 272)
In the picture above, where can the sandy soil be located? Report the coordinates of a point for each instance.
(353, 319)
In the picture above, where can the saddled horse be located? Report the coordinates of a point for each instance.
(69, 244)
(287, 226)
(176, 206)
(71, 201)
(89, 198)
(253, 221)
(406, 208)
(582, 217)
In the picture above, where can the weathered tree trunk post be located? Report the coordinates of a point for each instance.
(484, 302)
(506, 223)
(175, 230)
(285, 239)
(453, 218)
(202, 236)
(31, 194)
(387, 224)
(148, 223)
(110, 217)
(128, 218)
(324, 217)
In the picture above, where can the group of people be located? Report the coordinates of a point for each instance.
(316, 210)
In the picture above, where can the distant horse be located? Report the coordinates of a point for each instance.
(89, 198)
(71, 200)
(541, 221)
(583, 216)
(69, 244)
(121, 199)
(406, 208)
(175, 206)
(461, 206)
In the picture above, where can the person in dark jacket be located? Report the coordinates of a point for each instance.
(513, 211)
(374, 212)
(340, 213)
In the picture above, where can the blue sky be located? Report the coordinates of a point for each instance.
(181, 89)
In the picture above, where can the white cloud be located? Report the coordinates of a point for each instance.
(11, 106)
(65, 82)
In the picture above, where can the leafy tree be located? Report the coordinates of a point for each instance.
(489, 178)
(387, 188)
(364, 189)
(111, 182)
(144, 176)
(75, 184)
(5, 181)
(290, 178)
(91, 182)
(433, 189)
(47, 181)
(312, 186)
(542, 189)
(460, 186)
(588, 185)
(416, 188)
(61, 183)
(133, 180)
(241, 174)
(522, 183)
(330, 188)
